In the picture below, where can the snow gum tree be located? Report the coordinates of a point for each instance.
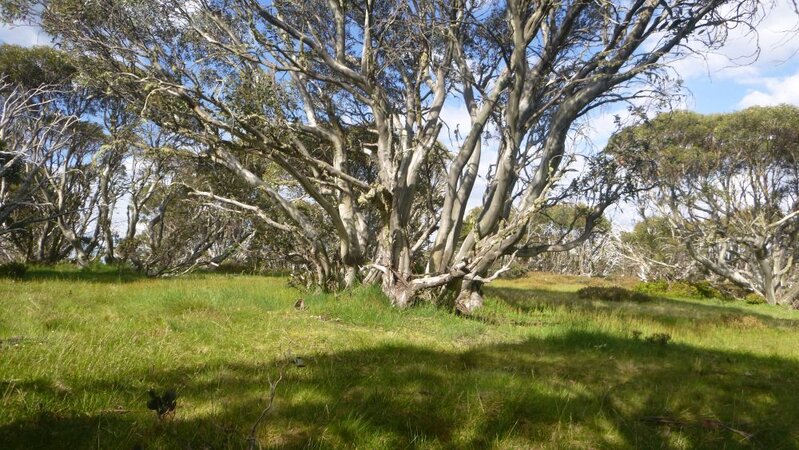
(729, 191)
(285, 80)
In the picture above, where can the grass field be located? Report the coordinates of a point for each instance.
(536, 368)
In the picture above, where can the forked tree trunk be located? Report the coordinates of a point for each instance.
(469, 298)
(394, 263)
(399, 292)
(80, 255)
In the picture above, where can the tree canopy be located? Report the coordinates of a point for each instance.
(286, 82)
(729, 189)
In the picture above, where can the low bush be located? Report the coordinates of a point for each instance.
(659, 338)
(612, 294)
(13, 270)
(704, 289)
(656, 287)
(754, 299)
(689, 289)
(655, 338)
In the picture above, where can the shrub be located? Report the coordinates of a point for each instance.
(13, 270)
(694, 289)
(688, 289)
(659, 338)
(705, 290)
(754, 299)
(612, 294)
(652, 287)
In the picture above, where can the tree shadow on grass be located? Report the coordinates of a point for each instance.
(572, 390)
(661, 309)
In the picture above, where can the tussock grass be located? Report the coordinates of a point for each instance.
(538, 367)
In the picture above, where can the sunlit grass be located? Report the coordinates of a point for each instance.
(537, 367)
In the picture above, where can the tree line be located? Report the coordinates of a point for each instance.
(314, 131)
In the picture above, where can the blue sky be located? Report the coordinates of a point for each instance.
(731, 79)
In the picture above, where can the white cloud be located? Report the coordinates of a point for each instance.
(773, 91)
(746, 54)
(24, 35)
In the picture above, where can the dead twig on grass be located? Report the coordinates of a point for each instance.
(252, 440)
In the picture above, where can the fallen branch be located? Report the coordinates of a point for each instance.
(252, 440)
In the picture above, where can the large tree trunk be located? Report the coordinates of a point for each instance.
(469, 298)
(81, 258)
(394, 265)
(557, 61)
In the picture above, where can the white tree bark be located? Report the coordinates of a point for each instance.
(310, 73)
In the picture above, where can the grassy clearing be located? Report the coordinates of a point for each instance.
(537, 368)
